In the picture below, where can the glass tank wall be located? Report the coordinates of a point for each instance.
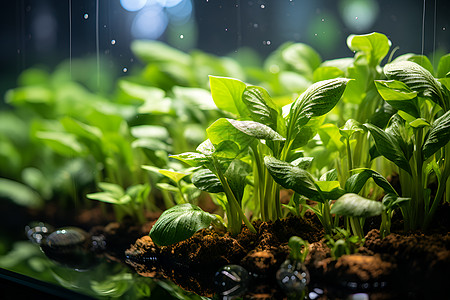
(97, 96)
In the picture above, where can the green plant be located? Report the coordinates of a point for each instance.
(342, 242)
(416, 138)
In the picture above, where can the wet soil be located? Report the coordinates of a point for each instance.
(410, 265)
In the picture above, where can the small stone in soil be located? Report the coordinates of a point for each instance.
(231, 281)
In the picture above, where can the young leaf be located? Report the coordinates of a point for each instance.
(291, 177)
(444, 66)
(317, 100)
(417, 79)
(302, 162)
(350, 127)
(179, 223)
(262, 108)
(375, 46)
(193, 159)
(19, 193)
(175, 176)
(387, 145)
(391, 201)
(302, 58)
(353, 205)
(227, 93)
(399, 96)
(355, 183)
(207, 181)
(438, 136)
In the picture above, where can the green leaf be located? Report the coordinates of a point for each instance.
(207, 181)
(375, 46)
(302, 58)
(317, 100)
(243, 133)
(353, 205)
(292, 177)
(19, 193)
(111, 188)
(141, 92)
(236, 174)
(175, 176)
(355, 183)
(330, 189)
(421, 60)
(444, 66)
(227, 94)
(155, 51)
(193, 159)
(179, 223)
(63, 143)
(262, 108)
(302, 162)
(392, 201)
(399, 96)
(150, 131)
(327, 72)
(29, 94)
(438, 136)
(350, 127)
(387, 145)
(417, 79)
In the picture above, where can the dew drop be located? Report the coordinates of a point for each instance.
(263, 6)
(356, 18)
(125, 70)
(443, 28)
(86, 16)
(323, 20)
(315, 34)
(181, 36)
(226, 29)
(113, 42)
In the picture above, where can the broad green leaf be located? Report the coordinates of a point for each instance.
(175, 176)
(167, 187)
(155, 51)
(330, 137)
(236, 174)
(353, 205)
(350, 127)
(355, 183)
(331, 175)
(438, 136)
(206, 148)
(29, 94)
(193, 159)
(141, 92)
(227, 94)
(81, 129)
(243, 133)
(292, 177)
(444, 66)
(325, 73)
(179, 223)
(375, 46)
(302, 58)
(302, 162)
(19, 193)
(330, 189)
(150, 131)
(262, 108)
(317, 100)
(197, 97)
(399, 96)
(419, 123)
(421, 60)
(417, 79)
(387, 145)
(207, 181)
(63, 143)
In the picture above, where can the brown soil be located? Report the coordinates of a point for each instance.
(406, 265)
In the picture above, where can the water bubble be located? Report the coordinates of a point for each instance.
(181, 36)
(37, 231)
(356, 18)
(323, 20)
(263, 6)
(86, 16)
(315, 34)
(124, 70)
(443, 28)
(113, 42)
(231, 281)
(292, 277)
(255, 25)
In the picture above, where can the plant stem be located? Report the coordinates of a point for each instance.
(356, 227)
(419, 189)
(349, 158)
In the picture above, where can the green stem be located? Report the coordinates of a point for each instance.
(349, 158)
(356, 227)
(181, 193)
(420, 205)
